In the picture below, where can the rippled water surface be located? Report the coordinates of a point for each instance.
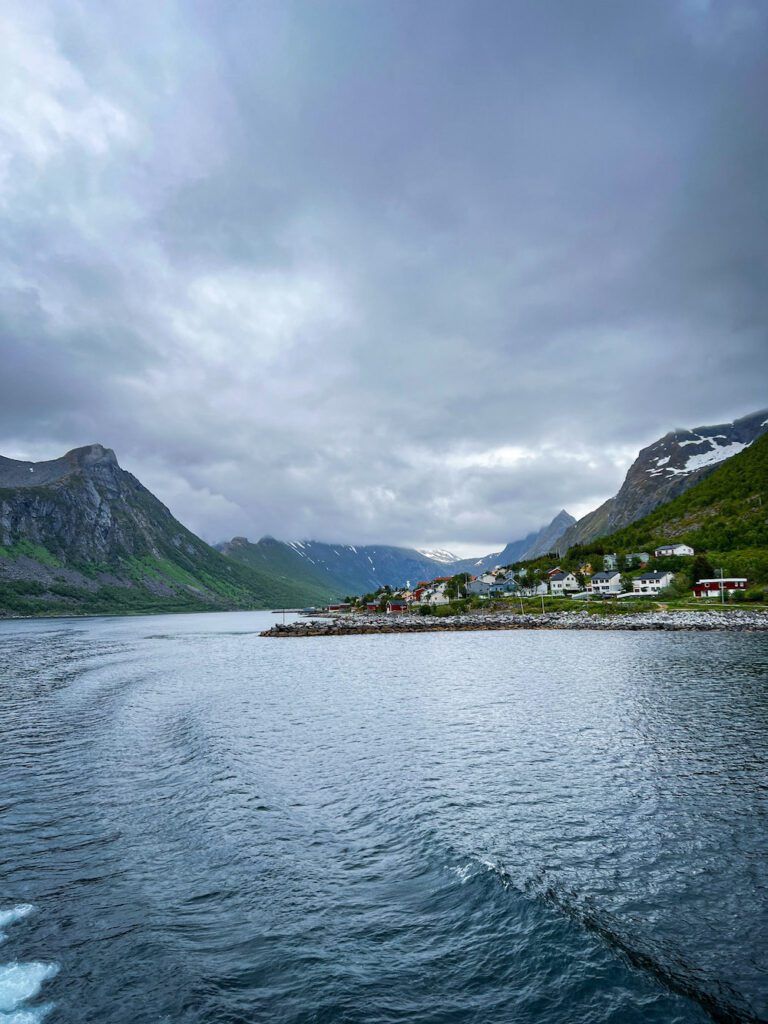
(201, 825)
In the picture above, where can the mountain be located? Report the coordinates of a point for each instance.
(283, 562)
(664, 470)
(724, 514)
(80, 534)
(546, 539)
(340, 569)
(439, 555)
(538, 543)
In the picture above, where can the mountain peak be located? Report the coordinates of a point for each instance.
(18, 473)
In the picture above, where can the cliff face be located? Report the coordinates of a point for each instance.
(664, 470)
(84, 508)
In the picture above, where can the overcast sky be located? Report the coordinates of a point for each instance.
(377, 271)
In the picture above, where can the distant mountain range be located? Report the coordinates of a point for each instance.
(338, 569)
(80, 534)
(342, 569)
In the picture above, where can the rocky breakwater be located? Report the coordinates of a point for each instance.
(355, 625)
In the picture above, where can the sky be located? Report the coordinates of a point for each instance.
(380, 271)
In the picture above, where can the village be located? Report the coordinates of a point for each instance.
(635, 574)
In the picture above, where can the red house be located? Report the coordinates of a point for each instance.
(397, 605)
(712, 588)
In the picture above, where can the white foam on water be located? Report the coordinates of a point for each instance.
(22, 982)
(29, 1016)
(19, 983)
(8, 917)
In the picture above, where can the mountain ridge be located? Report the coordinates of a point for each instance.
(665, 469)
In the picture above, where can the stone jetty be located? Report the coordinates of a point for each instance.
(734, 620)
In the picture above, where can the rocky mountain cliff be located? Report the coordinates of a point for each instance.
(79, 533)
(664, 470)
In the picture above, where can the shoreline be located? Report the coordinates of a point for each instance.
(676, 621)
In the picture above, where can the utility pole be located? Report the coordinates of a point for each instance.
(722, 589)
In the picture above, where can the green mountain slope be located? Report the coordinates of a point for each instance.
(281, 562)
(725, 514)
(81, 535)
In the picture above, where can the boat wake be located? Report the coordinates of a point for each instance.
(20, 983)
(723, 1003)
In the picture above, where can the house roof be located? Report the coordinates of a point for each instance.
(653, 575)
(606, 575)
(726, 579)
(559, 575)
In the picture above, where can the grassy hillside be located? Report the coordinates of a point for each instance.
(280, 562)
(33, 581)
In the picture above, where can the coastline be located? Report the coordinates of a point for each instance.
(356, 625)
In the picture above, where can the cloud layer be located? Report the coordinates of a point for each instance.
(409, 273)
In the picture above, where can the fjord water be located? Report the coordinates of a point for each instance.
(201, 825)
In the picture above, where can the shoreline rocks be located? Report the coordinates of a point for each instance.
(357, 625)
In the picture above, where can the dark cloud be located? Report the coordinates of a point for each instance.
(400, 272)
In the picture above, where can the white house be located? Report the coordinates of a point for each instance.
(673, 549)
(563, 583)
(651, 582)
(540, 590)
(605, 583)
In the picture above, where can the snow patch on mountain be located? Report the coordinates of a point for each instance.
(719, 453)
(439, 555)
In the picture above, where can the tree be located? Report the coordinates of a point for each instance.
(701, 569)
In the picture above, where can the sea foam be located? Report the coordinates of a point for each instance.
(19, 983)
(8, 917)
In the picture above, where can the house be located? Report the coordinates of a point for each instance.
(343, 607)
(435, 595)
(397, 605)
(553, 572)
(726, 585)
(610, 561)
(504, 583)
(372, 606)
(605, 583)
(535, 590)
(563, 583)
(673, 549)
(651, 582)
(482, 584)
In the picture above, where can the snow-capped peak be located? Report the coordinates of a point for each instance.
(438, 555)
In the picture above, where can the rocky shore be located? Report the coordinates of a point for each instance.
(354, 625)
